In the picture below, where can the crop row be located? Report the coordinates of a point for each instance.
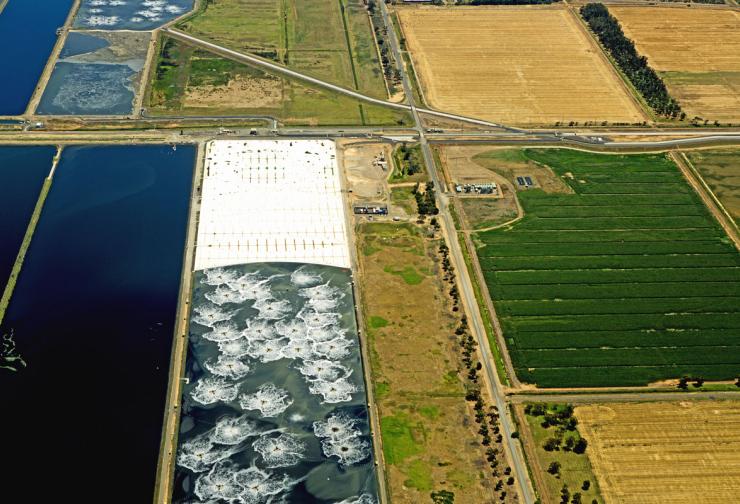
(622, 376)
(620, 322)
(609, 261)
(535, 199)
(582, 211)
(536, 222)
(619, 339)
(613, 290)
(645, 356)
(626, 275)
(517, 235)
(657, 190)
(606, 248)
(618, 306)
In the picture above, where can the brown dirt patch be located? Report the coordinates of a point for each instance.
(514, 65)
(696, 50)
(241, 92)
(654, 453)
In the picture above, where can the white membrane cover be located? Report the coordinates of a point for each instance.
(271, 201)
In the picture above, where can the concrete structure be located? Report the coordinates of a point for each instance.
(271, 201)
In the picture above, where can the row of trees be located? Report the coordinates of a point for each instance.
(487, 417)
(388, 62)
(634, 66)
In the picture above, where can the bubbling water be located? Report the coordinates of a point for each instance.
(337, 348)
(282, 451)
(316, 319)
(341, 438)
(303, 278)
(233, 430)
(323, 305)
(319, 334)
(224, 295)
(260, 486)
(272, 309)
(323, 291)
(298, 350)
(219, 276)
(222, 332)
(322, 369)
(234, 348)
(294, 329)
(333, 392)
(268, 350)
(252, 286)
(228, 367)
(258, 330)
(200, 453)
(219, 484)
(362, 499)
(210, 315)
(211, 389)
(269, 399)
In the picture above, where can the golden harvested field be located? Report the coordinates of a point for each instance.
(695, 50)
(513, 65)
(658, 453)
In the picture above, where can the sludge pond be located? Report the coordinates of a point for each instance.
(93, 313)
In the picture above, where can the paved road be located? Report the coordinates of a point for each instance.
(516, 456)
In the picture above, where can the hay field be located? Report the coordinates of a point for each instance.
(695, 50)
(655, 453)
(513, 65)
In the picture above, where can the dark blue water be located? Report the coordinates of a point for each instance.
(93, 314)
(22, 172)
(27, 36)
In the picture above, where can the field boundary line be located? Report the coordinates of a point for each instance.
(706, 195)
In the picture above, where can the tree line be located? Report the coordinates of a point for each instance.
(635, 67)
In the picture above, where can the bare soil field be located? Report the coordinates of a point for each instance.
(695, 50)
(654, 453)
(517, 65)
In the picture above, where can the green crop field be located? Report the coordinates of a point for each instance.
(626, 281)
(329, 39)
